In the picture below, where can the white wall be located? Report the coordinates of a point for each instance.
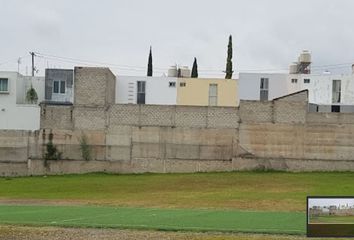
(14, 113)
(157, 90)
(19, 117)
(24, 84)
(249, 85)
(320, 87)
(10, 97)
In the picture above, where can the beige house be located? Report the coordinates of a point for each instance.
(207, 92)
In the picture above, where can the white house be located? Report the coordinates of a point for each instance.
(327, 92)
(15, 111)
(146, 90)
(324, 89)
(262, 86)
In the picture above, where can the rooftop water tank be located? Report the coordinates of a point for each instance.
(172, 71)
(305, 57)
(293, 68)
(184, 72)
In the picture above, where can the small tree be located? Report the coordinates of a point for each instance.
(149, 70)
(52, 152)
(229, 70)
(85, 148)
(195, 69)
(31, 95)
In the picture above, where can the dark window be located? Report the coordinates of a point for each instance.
(62, 86)
(172, 84)
(306, 80)
(264, 89)
(141, 92)
(4, 85)
(335, 108)
(294, 80)
(182, 84)
(56, 87)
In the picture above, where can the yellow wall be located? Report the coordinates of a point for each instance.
(196, 91)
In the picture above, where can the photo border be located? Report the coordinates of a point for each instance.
(307, 217)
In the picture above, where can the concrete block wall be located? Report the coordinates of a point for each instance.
(330, 118)
(256, 111)
(292, 108)
(173, 116)
(90, 117)
(94, 86)
(56, 116)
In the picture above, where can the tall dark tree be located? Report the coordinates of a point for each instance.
(149, 70)
(229, 70)
(195, 69)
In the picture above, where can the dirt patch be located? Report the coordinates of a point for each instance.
(52, 233)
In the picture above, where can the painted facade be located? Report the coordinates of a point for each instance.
(207, 92)
(176, 91)
(15, 111)
(149, 90)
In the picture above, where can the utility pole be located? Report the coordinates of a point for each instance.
(33, 67)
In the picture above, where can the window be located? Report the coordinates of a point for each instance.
(59, 87)
(62, 86)
(336, 91)
(172, 84)
(306, 80)
(335, 108)
(213, 94)
(264, 89)
(141, 92)
(182, 84)
(294, 80)
(4, 85)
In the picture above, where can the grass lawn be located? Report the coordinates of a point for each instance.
(157, 219)
(332, 219)
(268, 191)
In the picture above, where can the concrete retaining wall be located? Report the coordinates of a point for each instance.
(279, 135)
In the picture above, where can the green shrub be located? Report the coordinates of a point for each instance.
(31, 95)
(52, 152)
(85, 148)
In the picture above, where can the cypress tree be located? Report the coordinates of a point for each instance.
(229, 70)
(149, 70)
(195, 69)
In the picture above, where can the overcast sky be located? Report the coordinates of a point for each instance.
(267, 34)
(325, 202)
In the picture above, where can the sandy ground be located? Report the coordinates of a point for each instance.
(53, 233)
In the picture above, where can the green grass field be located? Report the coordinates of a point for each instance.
(157, 219)
(333, 219)
(268, 202)
(273, 191)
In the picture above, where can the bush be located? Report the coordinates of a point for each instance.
(52, 152)
(85, 148)
(31, 95)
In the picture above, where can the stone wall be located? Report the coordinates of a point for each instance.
(279, 134)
